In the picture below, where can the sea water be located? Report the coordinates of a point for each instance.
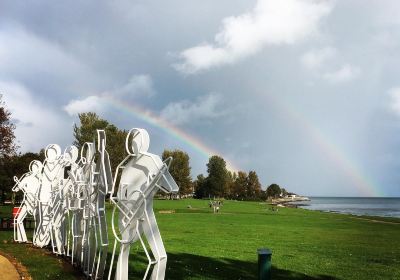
(370, 206)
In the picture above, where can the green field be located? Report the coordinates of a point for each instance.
(202, 245)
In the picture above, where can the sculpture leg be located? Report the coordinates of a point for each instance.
(153, 236)
(76, 238)
(85, 242)
(91, 248)
(37, 218)
(59, 234)
(122, 264)
(57, 228)
(131, 235)
(42, 236)
(102, 241)
(19, 221)
(68, 234)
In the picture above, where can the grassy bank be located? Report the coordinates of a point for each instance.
(305, 244)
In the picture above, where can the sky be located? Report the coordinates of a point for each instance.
(304, 92)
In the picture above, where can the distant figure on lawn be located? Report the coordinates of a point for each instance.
(216, 204)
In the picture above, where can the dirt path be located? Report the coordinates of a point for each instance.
(11, 269)
(8, 270)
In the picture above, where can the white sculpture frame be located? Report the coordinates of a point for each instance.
(69, 206)
(29, 184)
(142, 175)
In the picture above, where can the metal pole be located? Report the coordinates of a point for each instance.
(264, 264)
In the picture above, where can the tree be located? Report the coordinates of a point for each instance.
(217, 180)
(284, 192)
(253, 190)
(180, 170)
(239, 186)
(87, 132)
(200, 186)
(229, 192)
(273, 191)
(8, 146)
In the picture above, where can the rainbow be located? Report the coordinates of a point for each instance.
(154, 120)
(360, 180)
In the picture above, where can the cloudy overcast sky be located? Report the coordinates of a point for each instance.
(305, 92)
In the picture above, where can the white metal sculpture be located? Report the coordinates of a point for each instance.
(29, 185)
(102, 184)
(48, 187)
(67, 198)
(79, 204)
(142, 175)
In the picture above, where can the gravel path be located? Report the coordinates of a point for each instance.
(8, 270)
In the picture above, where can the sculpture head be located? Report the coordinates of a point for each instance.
(87, 152)
(35, 167)
(52, 152)
(137, 141)
(71, 154)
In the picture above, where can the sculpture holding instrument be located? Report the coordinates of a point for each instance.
(29, 185)
(59, 211)
(78, 202)
(142, 175)
(51, 175)
(102, 183)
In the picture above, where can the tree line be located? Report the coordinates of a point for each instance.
(218, 183)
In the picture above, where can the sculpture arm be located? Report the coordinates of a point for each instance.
(17, 181)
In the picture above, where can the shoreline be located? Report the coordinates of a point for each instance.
(360, 216)
(386, 219)
(289, 203)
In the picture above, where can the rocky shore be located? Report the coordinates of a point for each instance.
(288, 201)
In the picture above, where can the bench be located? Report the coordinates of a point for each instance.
(7, 223)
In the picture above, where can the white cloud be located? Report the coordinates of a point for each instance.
(269, 23)
(394, 94)
(314, 59)
(344, 74)
(138, 85)
(36, 124)
(91, 103)
(206, 107)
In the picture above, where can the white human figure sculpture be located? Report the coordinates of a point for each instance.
(98, 178)
(59, 211)
(70, 196)
(79, 204)
(50, 178)
(29, 185)
(142, 175)
(89, 225)
(102, 184)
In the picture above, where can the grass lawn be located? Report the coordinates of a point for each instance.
(202, 245)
